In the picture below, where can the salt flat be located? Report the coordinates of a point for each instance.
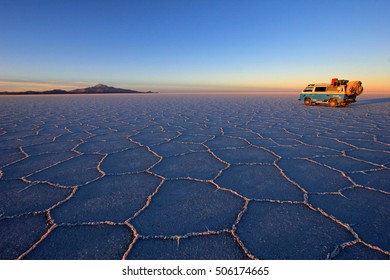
(193, 177)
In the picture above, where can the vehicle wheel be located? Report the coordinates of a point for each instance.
(344, 104)
(308, 101)
(332, 102)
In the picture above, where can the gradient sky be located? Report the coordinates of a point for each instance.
(193, 45)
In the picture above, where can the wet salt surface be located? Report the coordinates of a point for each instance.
(193, 177)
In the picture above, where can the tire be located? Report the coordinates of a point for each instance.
(308, 101)
(332, 102)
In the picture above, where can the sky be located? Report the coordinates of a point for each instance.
(193, 45)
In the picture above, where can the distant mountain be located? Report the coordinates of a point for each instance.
(99, 88)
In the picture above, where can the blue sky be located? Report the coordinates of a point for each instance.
(193, 45)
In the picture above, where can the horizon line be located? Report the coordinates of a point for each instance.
(17, 86)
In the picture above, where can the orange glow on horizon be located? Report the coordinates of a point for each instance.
(370, 85)
(16, 86)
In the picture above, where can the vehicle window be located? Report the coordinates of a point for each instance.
(308, 89)
(321, 89)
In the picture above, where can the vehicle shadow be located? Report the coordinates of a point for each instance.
(371, 101)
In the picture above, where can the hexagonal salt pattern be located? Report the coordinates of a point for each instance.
(193, 177)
